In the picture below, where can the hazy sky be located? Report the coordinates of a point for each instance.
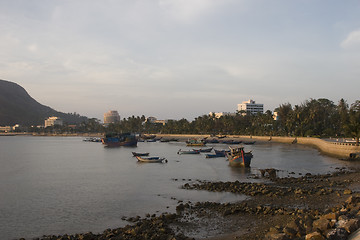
(180, 58)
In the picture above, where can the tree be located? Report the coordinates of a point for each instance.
(353, 126)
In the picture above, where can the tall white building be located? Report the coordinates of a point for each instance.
(111, 117)
(52, 121)
(251, 107)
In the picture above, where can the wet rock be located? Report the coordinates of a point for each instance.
(321, 224)
(314, 236)
(337, 234)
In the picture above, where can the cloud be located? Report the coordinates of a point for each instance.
(352, 41)
(187, 11)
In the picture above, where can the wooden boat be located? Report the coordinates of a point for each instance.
(140, 154)
(221, 153)
(238, 157)
(117, 140)
(151, 159)
(188, 152)
(204, 149)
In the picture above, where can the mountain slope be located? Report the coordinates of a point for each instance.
(18, 107)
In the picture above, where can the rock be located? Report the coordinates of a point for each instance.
(351, 225)
(331, 216)
(314, 236)
(321, 224)
(337, 234)
(276, 236)
(347, 192)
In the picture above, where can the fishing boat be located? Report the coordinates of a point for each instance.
(117, 140)
(238, 157)
(249, 142)
(140, 154)
(204, 149)
(151, 159)
(188, 152)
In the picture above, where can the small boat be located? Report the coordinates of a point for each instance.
(195, 142)
(238, 157)
(117, 140)
(249, 142)
(92, 139)
(188, 152)
(140, 154)
(151, 159)
(211, 140)
(151, 140)
(221, 153)
(204, 149)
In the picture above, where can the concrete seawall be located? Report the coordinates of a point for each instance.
(341, 150)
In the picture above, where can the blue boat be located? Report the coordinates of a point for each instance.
(221, 153)
(117, 140)
(238, 157)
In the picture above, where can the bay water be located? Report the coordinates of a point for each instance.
(58, 185)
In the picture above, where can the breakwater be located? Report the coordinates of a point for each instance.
(341, 150)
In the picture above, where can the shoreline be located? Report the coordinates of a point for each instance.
(345, 151)
(310, 207)
(340, 150)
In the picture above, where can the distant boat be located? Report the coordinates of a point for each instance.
(151, 140)
(214, 155)
(92, 139)
(151, 159)
(195, 142)
(238, 157)
(140, 154)
(221, 153)
(249, 142)
(204, 149)
(188, 151)
(117, 140)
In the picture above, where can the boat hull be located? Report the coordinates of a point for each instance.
(150, 159)
(240, 162)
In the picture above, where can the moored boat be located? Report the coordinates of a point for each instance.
(117, 140)
(188, 152)
(204, 149)
(151, 159)
(195, 142)
(238, 157)
(221, 153)
(140, 154)
(214, 155)
(249, 142)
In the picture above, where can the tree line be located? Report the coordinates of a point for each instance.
(314, 118)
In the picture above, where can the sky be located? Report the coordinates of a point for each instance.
(175, 59)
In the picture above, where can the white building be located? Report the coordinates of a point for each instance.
(251, 107)
(221, 114)
(52, 121)
(155, 120)
(111, 117)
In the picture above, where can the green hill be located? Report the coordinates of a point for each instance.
(18, 107)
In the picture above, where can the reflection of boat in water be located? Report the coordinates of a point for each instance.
(238, 157)
(188, 151)
(140, 154)
(117, 140)
(151, 159)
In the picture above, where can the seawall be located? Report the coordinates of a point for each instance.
(341, 150)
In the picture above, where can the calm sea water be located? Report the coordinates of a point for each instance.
(57, 185)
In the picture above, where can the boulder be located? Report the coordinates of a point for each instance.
(314, 236)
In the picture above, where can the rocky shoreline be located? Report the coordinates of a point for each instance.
(309, 207)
